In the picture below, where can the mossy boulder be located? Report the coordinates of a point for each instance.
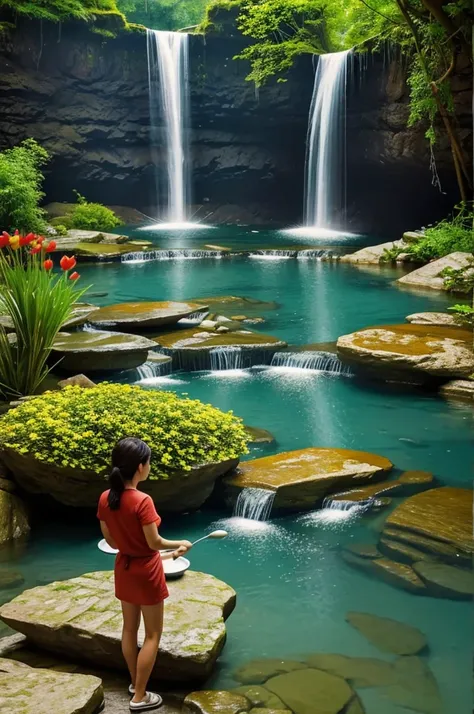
(27, 690)
(303, 478)
(61, 616)
(136, 315)
(260, 697)
(99, 351)
(388, 635)
(407, 484)
(410, 352)
(216, 702)
(429, 276)
(446, 581)
(13, 518)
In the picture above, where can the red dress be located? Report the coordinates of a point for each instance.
(139, 575)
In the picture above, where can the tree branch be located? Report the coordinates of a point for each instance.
(377, 12)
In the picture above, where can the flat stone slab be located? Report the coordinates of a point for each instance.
(440, 514)
(307, 691)
(432, 318)
(388, 635)
(100, 351)
(409, 482)
(258, 671)
(81, 618)
(416, 350)
(445, 580)
(458, 389)
(371, 255)
(392, 572)
(416, 688)
(195, 339)
(360, 671)
(302, 478)
(428, 276)
(260, 697)
(216, 702)
(25, 690)
(143, 314)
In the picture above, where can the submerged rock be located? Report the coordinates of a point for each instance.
(445, 580)
(10, 579)
(413, 352)
(360, 671)
(388, 635)
(257, 671)
(402, 552)
(306, 691)
(260, 697)
(59, 618)
(428, 276)
(416, 688)
(259, 436)
(27, 690)
(302, 478)
(137, 315)
(13, 518)
(458, 389)
(100, 351)
(392, 572)
(216, 702)
(408, 483)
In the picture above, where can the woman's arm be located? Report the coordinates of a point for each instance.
(106, 534)
(156, 542)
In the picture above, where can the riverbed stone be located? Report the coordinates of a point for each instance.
(13, 518)
(435, 549)
(137, 315)
(392, 572)
(416, 688)
(302, 478)
(429, 276)
(458, 389)
(408, 351)
(306, 691)
(364, 550)
(388, 635)
(99, 351)
(259, 696)
(359, 671)
(408, 483)
(402, 552)
(25, 690)
(432, 318)
(61, 616)
(238, 305)
(216, 702)
(371, 255)
(10, 579)
(258, 671)
(441, 515)
(445, 580)
(259, 436)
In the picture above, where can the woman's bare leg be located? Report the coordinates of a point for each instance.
(153, 619)
(131, 623)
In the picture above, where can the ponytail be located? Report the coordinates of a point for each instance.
(117, 487)
(127, 456)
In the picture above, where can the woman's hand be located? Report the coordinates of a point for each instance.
(183, 548)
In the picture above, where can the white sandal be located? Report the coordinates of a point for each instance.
(151, 701)
(131, 690)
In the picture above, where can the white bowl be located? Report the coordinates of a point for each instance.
(175, 568)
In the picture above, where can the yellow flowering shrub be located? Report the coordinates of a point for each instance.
(77, 428)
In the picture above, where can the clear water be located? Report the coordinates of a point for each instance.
(293, 588)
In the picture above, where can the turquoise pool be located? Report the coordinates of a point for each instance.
(293, 588)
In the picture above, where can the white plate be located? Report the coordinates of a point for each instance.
(175, 568)
(105, 547)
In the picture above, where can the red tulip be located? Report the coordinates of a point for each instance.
(51, 246)
(35, 250)
(74, 276)
(4, 239)
(40, 239)
(67, 263)
(48, 264)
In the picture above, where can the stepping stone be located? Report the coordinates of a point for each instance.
(100, 351)
(216, 702)
(137, 315)
(257, 671)
(416, 687)
(433, 548)
(409, 483)
(359, 671)
(24, 690)
(307, 691)
(61, 616)
(402, 551)
(446, 580)
(260, 697)
(388, 635)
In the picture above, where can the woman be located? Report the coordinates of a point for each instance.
(129, 522)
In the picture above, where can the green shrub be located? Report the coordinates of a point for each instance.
(60, 229)
(64, 221)
(464, 314)
(93, 216)
(460, 280)
(391, 254)
(446, 237)
(21, 180)
(78, 428)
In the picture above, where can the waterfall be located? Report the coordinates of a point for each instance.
(312, 254)
(321, 361)
(273, 254)
(254, 504)
(151, 255)
(151, 370)
(195, 319)
(167, 54)
(225, 358)
(325, 150)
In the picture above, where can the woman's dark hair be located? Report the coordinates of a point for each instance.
(127, 456)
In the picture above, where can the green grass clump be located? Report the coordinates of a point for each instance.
(93, 216)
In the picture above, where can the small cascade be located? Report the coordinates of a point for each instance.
(320, 361)
(225, 358)
(194, 319)
(273, 254)
(147, 256)
(254, 504)
(311, 254)
(152, 370)
(336, 505)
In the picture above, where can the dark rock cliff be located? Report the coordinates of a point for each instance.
(86, 100)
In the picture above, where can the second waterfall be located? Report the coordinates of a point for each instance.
(168, 79)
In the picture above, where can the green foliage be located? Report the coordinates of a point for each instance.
(93, 216)
(21, 179)
(391, 254)
(37, 303)
(60, 229)
(163, 14)
(464, 314)
(78, 428)
(61, 222)
(61, 10)
(459, 280)
(448, 236)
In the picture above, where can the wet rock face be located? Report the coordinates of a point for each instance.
(86, 100)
